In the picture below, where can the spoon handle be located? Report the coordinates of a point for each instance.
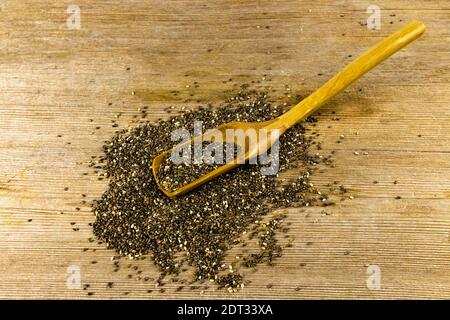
(369, 59)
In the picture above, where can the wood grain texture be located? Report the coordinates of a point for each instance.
(53, 80)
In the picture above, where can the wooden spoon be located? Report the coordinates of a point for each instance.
(275, 127)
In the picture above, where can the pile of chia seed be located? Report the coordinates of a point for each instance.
(172, 175)
(196, 229)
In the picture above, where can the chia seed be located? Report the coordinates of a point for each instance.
(173, 176)
(196, 229)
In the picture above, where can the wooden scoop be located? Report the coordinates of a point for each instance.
(275, 127)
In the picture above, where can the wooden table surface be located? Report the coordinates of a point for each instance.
(53, 80)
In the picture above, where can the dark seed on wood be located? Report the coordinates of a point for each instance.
(136, 219)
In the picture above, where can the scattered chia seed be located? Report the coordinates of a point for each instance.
(196, 229)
